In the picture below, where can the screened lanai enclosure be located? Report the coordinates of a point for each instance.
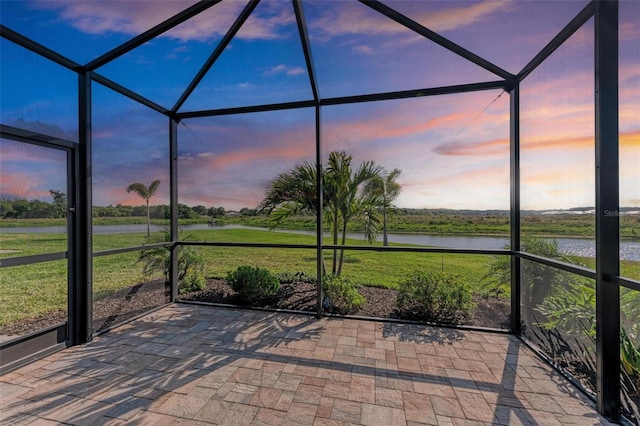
(152, 150)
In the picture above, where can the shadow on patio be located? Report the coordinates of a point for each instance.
(188, 363)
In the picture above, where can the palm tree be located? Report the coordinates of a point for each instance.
(342, 188)
(145, 192)
(294, 192)
(387, 189)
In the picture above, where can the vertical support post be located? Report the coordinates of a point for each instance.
(514, 148)
(81, 293)
(173, 202)
(607, 208)
(319, 215)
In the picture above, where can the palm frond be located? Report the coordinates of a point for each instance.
(139, 188)
(282, 212)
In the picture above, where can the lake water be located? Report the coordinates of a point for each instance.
(629, 250)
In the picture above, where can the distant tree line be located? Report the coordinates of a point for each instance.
(26, 209)
(21, 208)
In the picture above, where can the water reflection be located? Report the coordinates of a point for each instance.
(629, 250)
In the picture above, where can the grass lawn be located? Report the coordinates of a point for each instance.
(370, 268)
(31, 290)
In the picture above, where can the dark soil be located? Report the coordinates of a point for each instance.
(381, 302)
(107, 311)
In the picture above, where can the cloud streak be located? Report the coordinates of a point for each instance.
(344, 18)
(285, 69)
(131, 18)
(491, 147)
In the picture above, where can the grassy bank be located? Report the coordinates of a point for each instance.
(552, 225)
(559, 225)
(132, 220)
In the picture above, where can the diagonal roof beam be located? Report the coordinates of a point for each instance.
(306, 46)
(437, 38)
(583, 16)
(128, 93)
(150, 34)
(39, 49)
(417, 93)
(217, 52)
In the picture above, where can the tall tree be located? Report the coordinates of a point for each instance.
(294, 192)
(146, 193)
(59, 203)
(387, 189)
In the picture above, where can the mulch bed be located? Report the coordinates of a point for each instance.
(381, 302)
(108, 311)
(300, 296)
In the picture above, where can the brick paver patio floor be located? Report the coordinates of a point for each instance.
(188, 364)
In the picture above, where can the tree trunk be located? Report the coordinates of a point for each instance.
(344, 241)
(385, 241)
(148, 221)
(334, 264)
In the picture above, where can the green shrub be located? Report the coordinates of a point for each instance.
(343, 295)
(629, 355)
(435, 296)
(190, 263)
(190, 270)
(253, 283)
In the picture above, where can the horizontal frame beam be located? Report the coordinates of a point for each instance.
(385, 96)
(248, 245)
(626, 282)
(408, 249)
(346, 248)
(7, 262)
(244, 110)
(33, 138)
(574, 269)
(130, 249)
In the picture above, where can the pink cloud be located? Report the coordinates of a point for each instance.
(482, 186)
(135, 17)
(353, 18)
(266, 21)
(480, 175)
(19, 152)
(23, 185)
(114, 195)
(491, 147)
(458, 17)
(392, 126)
(249, 155)
(99, 17)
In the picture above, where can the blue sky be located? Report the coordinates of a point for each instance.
(452, 150)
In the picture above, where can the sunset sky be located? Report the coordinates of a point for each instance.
(453, 150)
